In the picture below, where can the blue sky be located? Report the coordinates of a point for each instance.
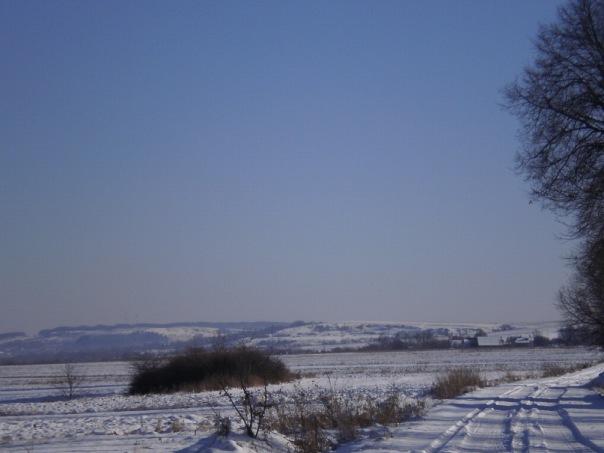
(167, 161)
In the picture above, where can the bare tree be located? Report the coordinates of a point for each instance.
(560, 103)
(69, 380)
(581, 301)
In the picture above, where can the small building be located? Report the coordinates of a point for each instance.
(491, 341)
(524, 340)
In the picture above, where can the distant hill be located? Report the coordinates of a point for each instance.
(128, 341)
(11, 335)
(125, 341)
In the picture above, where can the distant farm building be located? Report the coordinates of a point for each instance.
(524, 340)
(463, 342)
(491, 341)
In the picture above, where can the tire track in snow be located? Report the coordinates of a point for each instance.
(524, 427)
(466, 423)
(578, 436)
(507, 434)
(534, 413)
(567, 421)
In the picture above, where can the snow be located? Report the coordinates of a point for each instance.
(184, 333)
(103, 418)
(560, 414)
(273, 442)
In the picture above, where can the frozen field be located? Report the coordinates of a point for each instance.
(34, 417)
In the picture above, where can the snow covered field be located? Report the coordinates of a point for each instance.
(33, 416)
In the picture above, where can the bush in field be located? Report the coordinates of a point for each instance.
(456, 382)
(198, 370)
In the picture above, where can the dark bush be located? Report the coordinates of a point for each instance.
(198, 370)
(541, 341)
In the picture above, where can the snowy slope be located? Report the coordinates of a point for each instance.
(327, 336)
(122, 340)
(119, 341)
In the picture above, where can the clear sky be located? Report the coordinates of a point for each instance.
(184, 161)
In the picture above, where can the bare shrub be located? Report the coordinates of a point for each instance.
(251, 407)
(222, 425)
(317, 424)
(408, 410)
(301, 419)
(455, 382)
(343, 414)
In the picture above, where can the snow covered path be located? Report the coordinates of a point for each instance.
(547, 415)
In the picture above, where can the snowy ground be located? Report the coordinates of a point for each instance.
(33, 416)
(561, 414)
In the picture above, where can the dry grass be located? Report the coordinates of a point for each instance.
(455, 382)
(317, 425)
(551, 369)
(222, 425)
(176, 426)
(511, 377)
